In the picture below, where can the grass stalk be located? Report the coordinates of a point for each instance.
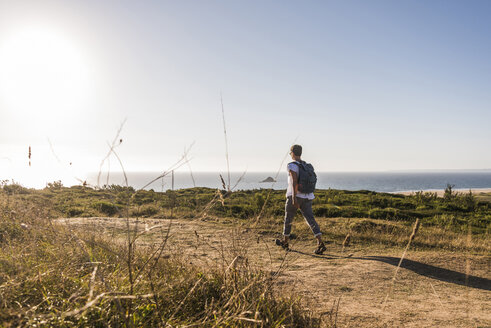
(411, 238)
(226, 143)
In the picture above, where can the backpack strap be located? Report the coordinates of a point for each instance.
(300, 165)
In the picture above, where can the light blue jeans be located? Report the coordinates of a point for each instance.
(305, 209)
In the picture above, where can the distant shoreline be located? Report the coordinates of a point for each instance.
(406, 183)
(440, 192)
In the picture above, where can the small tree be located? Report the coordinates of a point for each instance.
(55, 185)
(449, 194)
(470, 201)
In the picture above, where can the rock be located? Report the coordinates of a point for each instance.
(268, 179)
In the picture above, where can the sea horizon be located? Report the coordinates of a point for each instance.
(382, 181)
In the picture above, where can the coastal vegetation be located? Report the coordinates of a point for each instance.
(454, 211)
(52, 274)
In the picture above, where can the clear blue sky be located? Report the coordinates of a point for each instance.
(364, 85)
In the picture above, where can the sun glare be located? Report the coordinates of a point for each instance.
(42, 74)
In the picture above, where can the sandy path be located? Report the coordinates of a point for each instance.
(431, 288)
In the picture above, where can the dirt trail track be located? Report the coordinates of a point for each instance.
(431, 288)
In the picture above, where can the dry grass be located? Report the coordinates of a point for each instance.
(55, 275)
(373, 233)
(79, 274)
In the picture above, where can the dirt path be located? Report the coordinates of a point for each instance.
(431, 288)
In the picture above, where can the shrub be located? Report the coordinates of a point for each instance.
(328, 211)
(353, 212)
(106, 207)
(372, 226)
(15, 188)
(143, 197)
(481, 223)
(384, 214)
(10, 230)
(240, 211)
(449, 194)
(379, 201)
(259, 201)
(278, 211)
(145, 211)
(55, 185)
(74, 211)
(449, 221)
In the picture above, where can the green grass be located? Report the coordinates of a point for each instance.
(454, 211)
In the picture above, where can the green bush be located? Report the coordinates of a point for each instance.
(238, 211)
(379, 201)
(55, 185)
(354, 212)
(143, 197)
(259, 201)
(15, 188)
(10, 230)
(74, 211)
(372, 226)
(145, 211)
(395, 214)
(328, 211)
(480, 223)
(384, 213)
(449, 221)
(106, 207)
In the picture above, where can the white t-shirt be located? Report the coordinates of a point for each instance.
(289, 190)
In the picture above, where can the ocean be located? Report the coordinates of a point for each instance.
(375, 181)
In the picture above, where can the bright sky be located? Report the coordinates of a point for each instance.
(364, 85)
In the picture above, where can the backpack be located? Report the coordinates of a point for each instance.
(306, 177)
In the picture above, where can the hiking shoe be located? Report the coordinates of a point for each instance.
(320, 249)
(282, 244)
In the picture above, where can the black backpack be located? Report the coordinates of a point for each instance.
(306, 177)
